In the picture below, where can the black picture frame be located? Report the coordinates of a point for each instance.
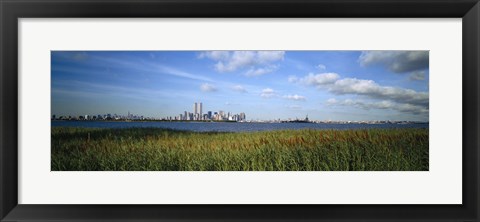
(11, 11)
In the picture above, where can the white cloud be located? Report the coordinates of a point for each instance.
(321, 67)
(319, 79)
(208, 87)
(237, 60)
(417, 76)
(260, 71)
(267, 93)
(396, 61)
(385, 104)
(371, 89)
(258, 62)
(401, 99)
(175, 72)
(331, 101)
(215, 55)
(294, 97)
(239, 88)
(269, 56)
(293, 79)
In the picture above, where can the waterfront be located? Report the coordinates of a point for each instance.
(240, 110)
(232, 126)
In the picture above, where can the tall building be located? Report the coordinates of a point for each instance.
(195, 109)
(200, 111)
(190, 116)
(243, 116)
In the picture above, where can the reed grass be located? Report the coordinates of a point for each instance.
(155, 149)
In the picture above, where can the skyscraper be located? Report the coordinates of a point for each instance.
(242, 116)
(195, 109)
(201, 112)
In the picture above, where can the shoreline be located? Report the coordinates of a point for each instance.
(243, 122)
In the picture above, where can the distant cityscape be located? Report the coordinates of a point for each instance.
(197, 114)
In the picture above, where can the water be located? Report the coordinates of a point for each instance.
(232, 126)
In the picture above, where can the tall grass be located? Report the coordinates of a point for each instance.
(154, 149)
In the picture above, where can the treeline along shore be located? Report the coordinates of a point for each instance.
(157, 149)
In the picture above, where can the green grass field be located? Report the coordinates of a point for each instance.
(154, 149)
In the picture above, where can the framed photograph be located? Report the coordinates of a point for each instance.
(226, 110)
(245, 117)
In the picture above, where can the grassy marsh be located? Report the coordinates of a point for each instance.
(155, 149)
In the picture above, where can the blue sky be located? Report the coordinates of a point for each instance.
(326, 85)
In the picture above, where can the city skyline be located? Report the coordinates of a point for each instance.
(267, 85)
(196, 115)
